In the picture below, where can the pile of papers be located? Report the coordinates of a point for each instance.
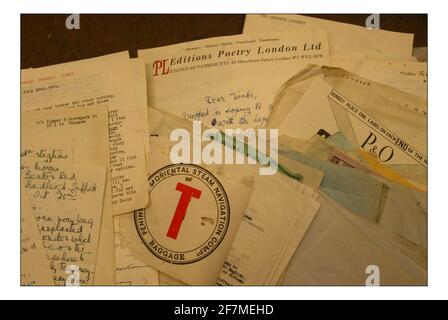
(104, 202)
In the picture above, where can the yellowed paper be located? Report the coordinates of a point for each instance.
(138, 69)
(88, 129)
(275, 212)
(111, 84)
(205, 236)
(339, 248)
(410, 77)
(129, 270)
(34, 265)
(166, 280)
(301, 227)
(395, 133)
(67, 204)
(121, 55)
(235, 77)
(139, 74)
(342, 37)
(191, 249)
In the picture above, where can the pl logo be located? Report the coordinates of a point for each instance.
(160, 68)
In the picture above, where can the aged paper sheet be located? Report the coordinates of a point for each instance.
(88, 129)
(34, 265)
(67, 205)
(275, 212)
(403, 209)
(342, 37)
(192, 250)
(235, 77)
(110, 84)
(139, 74)
(410, 77)
(395, 133)
(138, 69)
(129, 270)
(339, 247)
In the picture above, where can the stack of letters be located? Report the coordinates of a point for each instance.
(292, 154)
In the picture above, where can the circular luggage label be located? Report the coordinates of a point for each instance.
(189, 214)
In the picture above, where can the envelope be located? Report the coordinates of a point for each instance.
(342, 249)
(387, 123)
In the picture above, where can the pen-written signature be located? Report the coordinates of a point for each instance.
(238, 108)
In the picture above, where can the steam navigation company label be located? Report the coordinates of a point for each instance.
(183, 197)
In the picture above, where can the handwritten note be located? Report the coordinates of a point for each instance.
(88, 132)
(93, 84)
(236, 78)
(34, 265)
(67, 204)
(236, 108)
(67, 208)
